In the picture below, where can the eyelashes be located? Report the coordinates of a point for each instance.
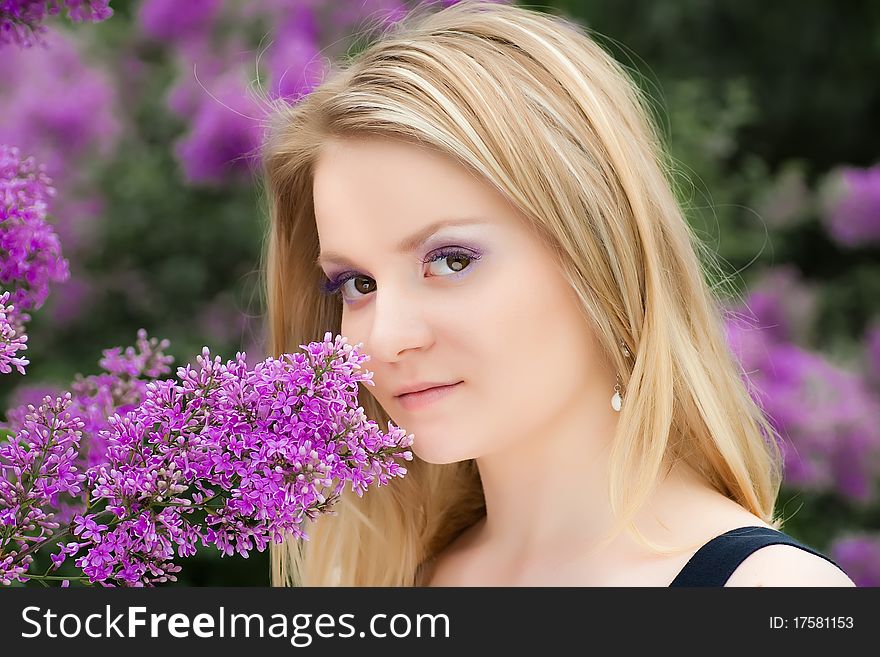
(332, 287)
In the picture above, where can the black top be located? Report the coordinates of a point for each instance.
(714, 563)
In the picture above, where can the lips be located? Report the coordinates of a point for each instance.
(422, 387)
(423, 398)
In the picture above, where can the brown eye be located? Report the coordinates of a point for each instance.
(458, 262)
(454, 261)
(362, 284)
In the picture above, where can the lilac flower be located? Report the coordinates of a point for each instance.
(30, 253)
(11, 341)
(859, 556)
(853, 206)
(21, 20)
(23, 396)
(62, 110)
(827, 417)
(225, 133)
(36, 463)
(783, 306)
(96, 398)
(224, 456)
(173, 21)
(294, 60)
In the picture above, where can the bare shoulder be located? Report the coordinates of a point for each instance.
(787, 565)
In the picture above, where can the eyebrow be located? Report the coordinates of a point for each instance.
(407, 244)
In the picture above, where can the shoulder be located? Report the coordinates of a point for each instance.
(787, 565)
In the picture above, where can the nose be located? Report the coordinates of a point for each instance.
(399, 324)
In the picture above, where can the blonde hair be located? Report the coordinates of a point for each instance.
(533, 105)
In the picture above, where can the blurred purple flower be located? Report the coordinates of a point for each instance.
(61, 111)
(294, 59)
(859, 556)
(172, 21)
(784, 307)
(56, 106)
(852, 205)
(827, 417)
(347, 15)
(21, 20)
(225, 133)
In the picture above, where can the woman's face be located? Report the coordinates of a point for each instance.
(481, 302)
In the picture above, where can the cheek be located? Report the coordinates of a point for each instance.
(537, 351)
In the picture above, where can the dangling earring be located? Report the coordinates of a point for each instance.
(617, 399)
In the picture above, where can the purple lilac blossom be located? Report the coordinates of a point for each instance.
(859, 556)
(63, 111)
(30, 252)
(58, 106)
(21, 21)
(852, 215)
(120, 388)
(11, 340)
(257, 452)
(36, 464)
(826, 416)
(783, 305)
(349, 16)
(172, 21)
(23, 396)
(294, 59)
(225, 133)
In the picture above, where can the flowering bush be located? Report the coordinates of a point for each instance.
(224, 456)
(21, 20)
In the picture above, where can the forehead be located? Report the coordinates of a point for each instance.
(394, 184)
(371, 169)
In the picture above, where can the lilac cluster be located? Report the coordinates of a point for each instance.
(827, 416)
(30, 252)
(859, 556)
(853, 207)
(21, 21)
(11, 341)
(218, 63)
(36, 464)
(63, 109)
(223, 456)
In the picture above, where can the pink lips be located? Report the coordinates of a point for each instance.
(416, 400)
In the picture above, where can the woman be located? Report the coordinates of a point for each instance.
(481, 200)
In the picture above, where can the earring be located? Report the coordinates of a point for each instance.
(617, 399)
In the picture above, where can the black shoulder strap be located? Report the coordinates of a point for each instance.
(714, 562)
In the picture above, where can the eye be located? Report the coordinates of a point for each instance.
(455, 259)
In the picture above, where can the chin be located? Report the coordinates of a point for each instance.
(436, 454)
